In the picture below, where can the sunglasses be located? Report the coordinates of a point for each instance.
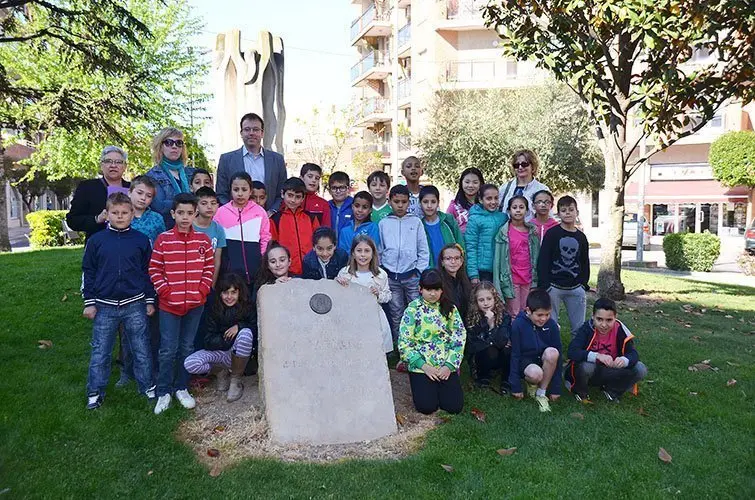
(523, 164)
(173, 142)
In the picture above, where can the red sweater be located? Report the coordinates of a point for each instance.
(317, 205)
(294, 231)
(181, 269)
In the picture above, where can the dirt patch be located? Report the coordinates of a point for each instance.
(238, 430)
(643, 298)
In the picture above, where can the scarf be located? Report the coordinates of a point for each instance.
(167, 166)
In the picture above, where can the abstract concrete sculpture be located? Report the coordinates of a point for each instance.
(249, 81)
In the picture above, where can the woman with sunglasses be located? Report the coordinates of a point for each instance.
(170, 173)
(524, 165)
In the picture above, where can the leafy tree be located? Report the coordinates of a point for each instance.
(484, 128)
(363, 163)
(732, 157)
(92, 36)
(324, 137)
(635, 60)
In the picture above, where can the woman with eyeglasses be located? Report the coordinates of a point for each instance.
(88, 212)
(170, 173)
(524, 166)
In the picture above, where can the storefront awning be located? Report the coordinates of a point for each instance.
(708, 191)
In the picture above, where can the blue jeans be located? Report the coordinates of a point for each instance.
(176, 342)
(127, 358)
(135, 335)
(402, 292)
(575, 301)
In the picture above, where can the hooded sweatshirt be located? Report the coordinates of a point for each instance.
(403, 244)
(480, 238)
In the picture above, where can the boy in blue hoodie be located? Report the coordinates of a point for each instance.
(339, 186)
(116, 290)
(361, 222)
(404, 254)
(602, 354)
(536, 351)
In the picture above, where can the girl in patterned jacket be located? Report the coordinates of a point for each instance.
(431, 343)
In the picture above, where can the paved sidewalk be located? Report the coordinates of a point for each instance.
(19, 240)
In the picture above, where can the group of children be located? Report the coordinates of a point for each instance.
(480, 281)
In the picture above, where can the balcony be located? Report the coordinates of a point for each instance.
(462, 15)
(405, 40)
(371, 24)
(402, 4)
(404, 93)
(486, 73)
(375, 65)
(371, 110)
(404, 143)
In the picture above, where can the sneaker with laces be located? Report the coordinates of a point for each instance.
(611, 397)
(150, 393)
(542, 403)
(94, 401)
(185, 399)
(582, 398)
(163, 403)
(531, 390)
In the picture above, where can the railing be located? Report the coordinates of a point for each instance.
(367, 17)
(470, 71)
(377, 147)
(404, 90)
(404, 142)
(465, 9)
(369, 61)
(405, 34)
(371, 105)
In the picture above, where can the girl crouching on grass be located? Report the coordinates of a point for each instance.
(229, 338)
(363, 269)
(431, 342)
(488, 336)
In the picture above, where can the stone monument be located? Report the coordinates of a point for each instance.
(323, 373)
(249, 80)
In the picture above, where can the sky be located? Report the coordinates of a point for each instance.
(315, 33)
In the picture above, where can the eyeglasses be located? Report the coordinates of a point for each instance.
(173, 142)
(543, 202)
(247, 130)
(339, 189)
(118, 163)
(523, 164)
(454, 258)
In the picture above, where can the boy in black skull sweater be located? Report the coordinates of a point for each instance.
(563, 266)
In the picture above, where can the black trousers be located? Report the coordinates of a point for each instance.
(489, 360)
(429, 395)
(616, 380)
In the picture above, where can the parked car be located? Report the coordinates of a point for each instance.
(750, 237)
(630, 232)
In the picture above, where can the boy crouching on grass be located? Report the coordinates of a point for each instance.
(117, 289)
(602, 354)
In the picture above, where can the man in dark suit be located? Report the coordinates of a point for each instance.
(261, 164)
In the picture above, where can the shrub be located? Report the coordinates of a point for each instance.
(691, 251)
(746, 263)
(46, 228)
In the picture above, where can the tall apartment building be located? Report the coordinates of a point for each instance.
(408, 49)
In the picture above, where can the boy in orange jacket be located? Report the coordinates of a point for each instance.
(293, 226)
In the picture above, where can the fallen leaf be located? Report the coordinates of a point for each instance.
(400, 419)
(731, 382)
(687, 325)
(504, 452)
(215, 471)
(664, 456)
(64, 297)
(213, 452)
(447, 468)
(642, 412)
(219, 429)
(692, 394)
(658, 311)
(705, 361)
(703, 310)
(729, 316)
(44, 344)
(578, 416)
(478, 414)
(149, 473)
(587, 402)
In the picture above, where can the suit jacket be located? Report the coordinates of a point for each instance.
(275, 175)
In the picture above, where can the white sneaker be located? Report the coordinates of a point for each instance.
(185, 399)
(163, 403)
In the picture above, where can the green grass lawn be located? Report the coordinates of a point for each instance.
(50, 446)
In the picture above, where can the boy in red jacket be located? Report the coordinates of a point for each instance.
(293, 226)
(181, 270)
(310, 174)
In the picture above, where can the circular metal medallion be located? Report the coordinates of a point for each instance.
(320, 303)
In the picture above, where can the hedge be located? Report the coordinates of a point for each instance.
(691, 251)
(46, 227)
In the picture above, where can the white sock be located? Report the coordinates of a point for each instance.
(539, 392)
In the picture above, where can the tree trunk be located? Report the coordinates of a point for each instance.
(609, 276)
(4, 238)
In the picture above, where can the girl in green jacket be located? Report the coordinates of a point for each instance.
(431, 342)
(515, 263)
